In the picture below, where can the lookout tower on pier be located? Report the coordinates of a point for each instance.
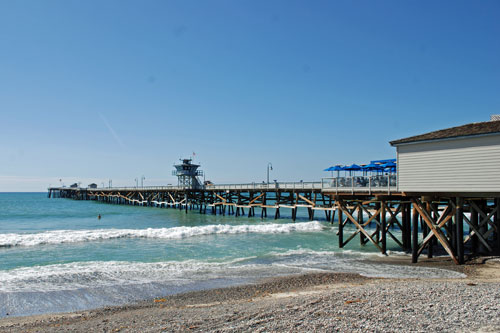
(187, 174)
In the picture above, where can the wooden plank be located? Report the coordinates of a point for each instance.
(325, 208)
(307, 200)
(218, 196)
(253, 200)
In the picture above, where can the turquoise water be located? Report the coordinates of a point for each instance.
(56, 256)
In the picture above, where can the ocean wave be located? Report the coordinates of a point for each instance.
(93, 274)
(97, 274)
(74, 236)
(85, 285)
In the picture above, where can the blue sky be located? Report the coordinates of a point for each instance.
(98, 90)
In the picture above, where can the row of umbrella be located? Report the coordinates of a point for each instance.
(389, 167)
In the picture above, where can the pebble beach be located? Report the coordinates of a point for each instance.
(318, 302)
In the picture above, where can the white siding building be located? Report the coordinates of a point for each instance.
(464, 159)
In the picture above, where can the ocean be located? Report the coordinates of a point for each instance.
(57, 256)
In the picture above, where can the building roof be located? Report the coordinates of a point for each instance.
(485, 127)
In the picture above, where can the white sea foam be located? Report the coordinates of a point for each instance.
(98, 274)
(349, 261)
(83, 285)
(77, 275)
(73, 236)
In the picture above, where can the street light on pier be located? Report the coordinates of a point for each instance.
(142, 180)
(136, 183)
(269, 167)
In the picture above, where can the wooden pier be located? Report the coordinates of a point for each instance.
(460, 226)
(444, 197)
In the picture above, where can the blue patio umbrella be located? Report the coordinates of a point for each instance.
(337, 168)
(390, 166)
(351, 168)
(373, 167)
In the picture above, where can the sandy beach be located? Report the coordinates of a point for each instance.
(311, 302)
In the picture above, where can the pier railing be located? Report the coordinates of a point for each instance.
(378, 183)
(266, 186)
(381, 183)
(244, 186)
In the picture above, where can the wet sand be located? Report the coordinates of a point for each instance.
(311, 302)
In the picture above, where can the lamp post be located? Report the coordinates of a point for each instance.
(269, 167)
(142, 180)
(136, 183)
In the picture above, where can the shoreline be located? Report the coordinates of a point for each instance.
(283, 302)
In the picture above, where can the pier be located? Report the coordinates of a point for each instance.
(440, 201)
(417, 224)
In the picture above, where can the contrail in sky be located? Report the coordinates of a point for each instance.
(112, 131)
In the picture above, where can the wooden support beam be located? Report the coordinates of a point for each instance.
(218, 196)
(475, 233)
(446, 216)
(306, 200)
(497, 222)
(476, 229)
(432, 214)
(383, 227)
(341, 229)
(460, 229)
(361, 229)
(414, 255)
(406, 227)
(437, 232)
(473, 227)
(362, 239)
